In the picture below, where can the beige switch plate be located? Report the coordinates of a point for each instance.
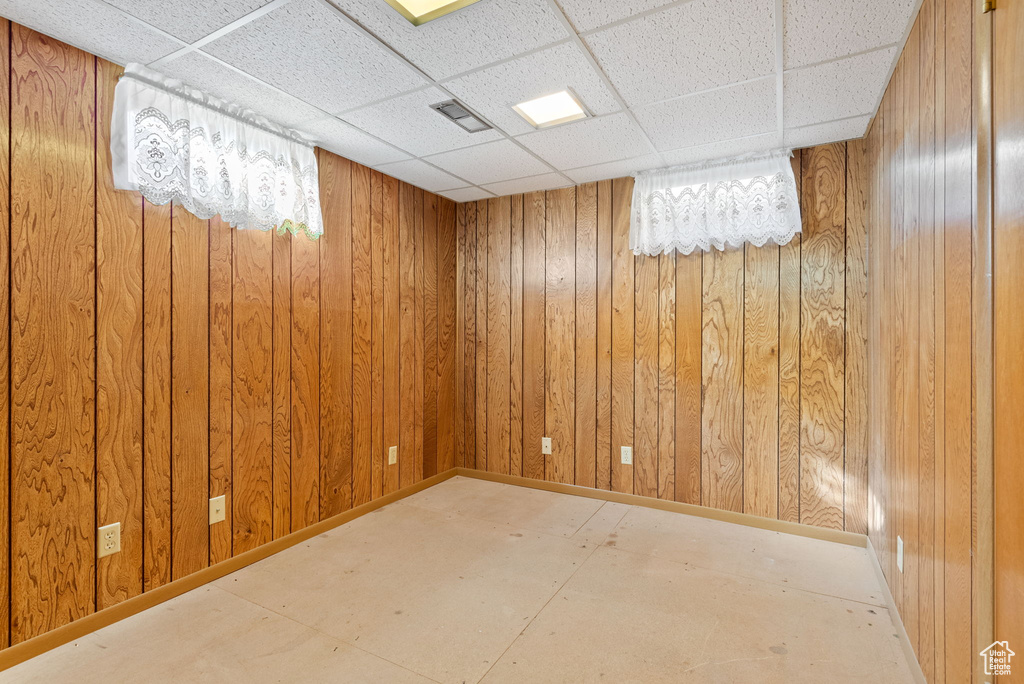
(217, 509)
(545, 446)
(393, 455)
(109, 540)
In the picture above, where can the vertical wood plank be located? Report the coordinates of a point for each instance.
(190, 393)
(156, 400)
(722, 368)
(253, 389)
(586, 335)
(789, 370)
(430, 326)
(689, 379)
(392, 333)
(761, 381)
(335, 334)
(407, 372)
(305, 381)
(118, 358)
(603, 468)
(282, 383)
(460, 335)
(5, 330)
(516, 387)
(221, 374)
(420, 333)
(362, 325)
(53, 266)
(481, 335)
(822, 337)
(446, 253)
(560, 333)
(499, 331)
(534, 345)
(667, 377)
(622, 334)
(471, 333)
(378, 453)
(645, 377)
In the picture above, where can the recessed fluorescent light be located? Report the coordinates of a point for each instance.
(419, 12)
(551, 110)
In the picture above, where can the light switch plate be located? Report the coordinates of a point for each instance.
(627, 455)
(545, 446)
(109, 540)
(899, 552)
(217, 509)
(393, 455)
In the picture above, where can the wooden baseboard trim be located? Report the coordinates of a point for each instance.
(19, 653)
(908, 649)
(837, 536)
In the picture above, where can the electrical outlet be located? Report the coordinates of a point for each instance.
(545, 446)
(109, 540)
(217, 512)
(899, 552)
(393, 455)
(627, 455)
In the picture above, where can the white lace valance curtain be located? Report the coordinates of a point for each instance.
(170, 142)
(715, 205)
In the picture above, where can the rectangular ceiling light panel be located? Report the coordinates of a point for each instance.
(419, 12)
(551, 110)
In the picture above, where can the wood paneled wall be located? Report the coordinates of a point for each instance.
(922, 218)
(157, 360)
(739, 378)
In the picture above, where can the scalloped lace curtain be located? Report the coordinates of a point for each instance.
(715, 205)
(172, 143)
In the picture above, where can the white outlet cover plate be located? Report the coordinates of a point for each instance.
(899, 553)
(217, 509)
(627, 455)
(393, 455)
(108, 542)
(545, 446)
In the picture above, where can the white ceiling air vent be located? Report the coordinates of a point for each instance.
(453, 111)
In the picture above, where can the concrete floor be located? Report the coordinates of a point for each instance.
(475, 581)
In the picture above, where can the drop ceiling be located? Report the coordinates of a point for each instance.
(665, 82)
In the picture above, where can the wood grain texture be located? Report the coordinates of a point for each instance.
(560, 334)
(469, 352)
(362, 327)
(118, 361)
(53, 345)
(430, 328)
(534, 341)
(790, 256)
(5, 329)
(460, 333)
(378, 451)
(586, 335)
(622, 335)
(221, 385)
(407, 375)
(761, 381)
(336, 335)
(282, 384)
(645, 376)
(481, 334)
(499, 333)
(722, 371)
(689, 376)
(516, 353)
(420, 333)
(156, 395)
(253, 389)
(823, 301)
(305, 381)
(190, 393)
(855, 504)
(446, 254)
(667, 377)
(603, 474)
(392, 339)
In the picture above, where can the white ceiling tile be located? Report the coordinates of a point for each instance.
(482, 33)
(588, 141)
(94, 27)
(466, 194)
(820, 30)
(586, 15)
(547, 181)
(690, 47)
(615, 169)
(206, 74)
(836, 90)
(721, 150)
(833, 131)
(732, 112)
(494, 91)
(407, 121)
(490, 162)
(422, 175)
(189, 20)
(307, 49)
(341, 138)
